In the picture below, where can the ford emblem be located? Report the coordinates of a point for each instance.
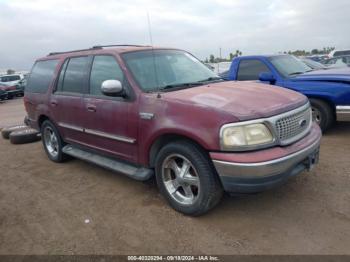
(302, 122)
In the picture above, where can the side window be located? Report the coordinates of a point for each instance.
(41, 76)
(104, 67)
(250, 69)
(74, 77)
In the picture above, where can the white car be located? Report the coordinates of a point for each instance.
(13, 79)
(336, 53)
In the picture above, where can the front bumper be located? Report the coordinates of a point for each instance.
(343, 113)
(250, 177)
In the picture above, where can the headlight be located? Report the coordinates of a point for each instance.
(238, 137)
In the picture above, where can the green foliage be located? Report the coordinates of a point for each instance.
(213, 59)
(323, 51)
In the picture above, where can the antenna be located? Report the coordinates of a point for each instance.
(154, 57)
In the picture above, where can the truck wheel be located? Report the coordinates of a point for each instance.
(52, 142)
(187, 179)
(322, 114)
(23, 136)
(5, 132)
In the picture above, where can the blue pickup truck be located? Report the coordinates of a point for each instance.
(328, 90)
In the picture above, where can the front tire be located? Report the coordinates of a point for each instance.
(322, 114)
(187, 179)
(52, 142)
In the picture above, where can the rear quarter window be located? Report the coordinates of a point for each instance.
(41, 76)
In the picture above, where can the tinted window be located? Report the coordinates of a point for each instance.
(74, 77)
(104, 68)
(41, 76)
(250, 69)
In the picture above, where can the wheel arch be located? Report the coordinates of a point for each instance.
(325, 99)
(41, 120)
(167, 138)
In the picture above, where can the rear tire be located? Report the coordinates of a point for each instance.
(24, 136)
(5, 132)
(187, 179)
(322, 114)
(52, 142)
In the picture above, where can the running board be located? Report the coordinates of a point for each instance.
(137, 173)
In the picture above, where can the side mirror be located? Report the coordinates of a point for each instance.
(112, 88)
(267, 77)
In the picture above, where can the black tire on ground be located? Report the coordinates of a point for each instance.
(59, 156)
(210, 189)
(24, 136)
(5, 132)
(326, 114)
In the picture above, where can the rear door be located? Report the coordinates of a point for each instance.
(111, 122)
(66, 103)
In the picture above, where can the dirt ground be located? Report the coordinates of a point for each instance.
(78, 208)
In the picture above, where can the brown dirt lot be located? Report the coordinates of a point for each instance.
(44, 205)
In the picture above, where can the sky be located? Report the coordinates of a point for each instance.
(32, 29)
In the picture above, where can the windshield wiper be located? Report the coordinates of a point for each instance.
(180, 85)
(197, 83)
(296, 73)
(210, 79)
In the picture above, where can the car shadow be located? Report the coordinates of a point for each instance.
(340, 128)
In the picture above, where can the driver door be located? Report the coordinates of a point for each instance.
(110, 125)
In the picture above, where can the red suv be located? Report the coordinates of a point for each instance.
(145, 111)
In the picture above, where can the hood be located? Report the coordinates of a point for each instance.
(244, 100)
(336, 74)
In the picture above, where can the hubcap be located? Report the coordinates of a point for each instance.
(180, 179)
(316, 115)
(51, 142)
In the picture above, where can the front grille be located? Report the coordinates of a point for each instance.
(292, 127)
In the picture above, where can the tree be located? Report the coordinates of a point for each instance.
(10, 71)
(231, 56)
(238, 53)
(211, 59)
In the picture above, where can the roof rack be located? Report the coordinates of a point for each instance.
(74, 51)
(92, 48)
(101, 46)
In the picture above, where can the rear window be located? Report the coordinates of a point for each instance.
(41, 76)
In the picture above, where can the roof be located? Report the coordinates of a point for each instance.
(101, 50)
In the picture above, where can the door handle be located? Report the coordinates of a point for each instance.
(91, 108)
(54, 103)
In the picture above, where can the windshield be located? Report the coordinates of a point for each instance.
(289, 65)
(157, 69)
(313, 64)
(9, 78)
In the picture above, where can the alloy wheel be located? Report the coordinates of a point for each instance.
(181, 179)
(51, 141)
